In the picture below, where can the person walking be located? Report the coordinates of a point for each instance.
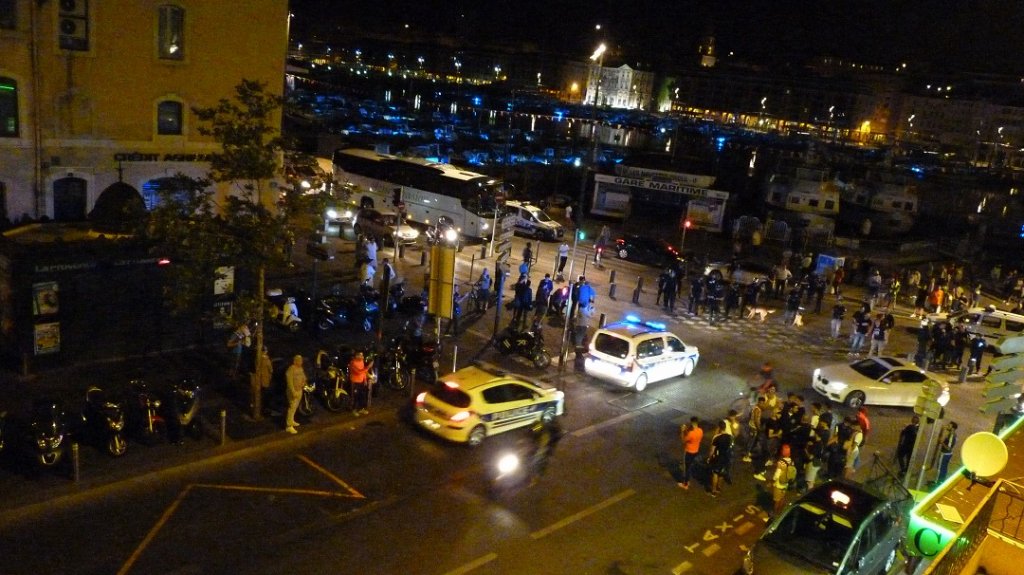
(905, 444)
(295, 383)
(692, 435)
(568, 216)
(528, 256)
(838, 316)
(755, 429)
(359, 379)
(540, 301)
(946, 445)
(563, 256)
(792, 307)
(718, 458)
(978, 346)
(453, 325)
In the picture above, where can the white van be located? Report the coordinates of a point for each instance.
(993, 324)
(531, 221)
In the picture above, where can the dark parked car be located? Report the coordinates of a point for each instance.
(651, 251)
(837, 528)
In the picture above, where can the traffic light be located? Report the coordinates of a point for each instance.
(396, 197)
(581, 235)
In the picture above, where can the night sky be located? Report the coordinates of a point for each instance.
(970, 35)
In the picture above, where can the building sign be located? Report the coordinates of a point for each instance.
(46, 338)
(157, 157)
(44, 298)
(695, 180)
(613, 196)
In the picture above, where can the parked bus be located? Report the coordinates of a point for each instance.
(428, 190)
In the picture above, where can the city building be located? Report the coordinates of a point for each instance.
(94, 94)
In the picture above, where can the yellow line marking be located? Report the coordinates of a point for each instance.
(682, 568)
(282, 490)
(153, 531)
(742, 529)
(576, 517)
(711, 549)
(331, 476)
(479, 561)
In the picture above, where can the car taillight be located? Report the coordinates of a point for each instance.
(421, 398)
(461, 416)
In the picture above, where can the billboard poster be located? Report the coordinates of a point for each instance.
(706, 213)
(44, 298)
(46, 338)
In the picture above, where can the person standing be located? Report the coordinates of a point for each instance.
(528, 256)
(946, 445)
(792, 307)
(239, 344)
(568, 218)
(563, 255)
(785, 470)
(483, 291)
(295, 383)
(718, 458)
(862, 326)
(879, 336)
(977, 350)
(755, 429)
(905, 444)
(691, 435)
(358, 377)
(261, 378)
(540, 301)
(453, 325)
(838, 316)
(388, 275)
(732, 299)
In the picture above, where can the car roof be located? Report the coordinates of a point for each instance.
(629, 329)
(476, 376)
(861, 501)
(889, 362)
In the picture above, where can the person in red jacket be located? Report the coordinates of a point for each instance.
(358, 376)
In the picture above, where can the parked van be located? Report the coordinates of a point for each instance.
(531, 221)
(993, 324)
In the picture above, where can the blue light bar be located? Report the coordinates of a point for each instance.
(633, 319)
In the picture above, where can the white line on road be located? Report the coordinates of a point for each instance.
(576, 517)
(479, 561)
(682, 568)
(597, 426)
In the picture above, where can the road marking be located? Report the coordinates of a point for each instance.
(153, 531)
(331, 476)
(473, 564)
(742, 529)
(723, 527)
(281, 490)
(711, 549)
(607, 423)
(709, 536)
(692, 546)
(576, 517)
(738, 518)
(682, 568)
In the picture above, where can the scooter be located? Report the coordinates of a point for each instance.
(46, 431)
(394, 365)
(528, 344)
(143, 413)
(330, 382)
(336, 311)
(103, 422)
(283, 310)
(182, 410)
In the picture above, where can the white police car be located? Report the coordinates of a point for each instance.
(634, 353)
(531, 221)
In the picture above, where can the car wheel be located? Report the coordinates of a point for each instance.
(688, 368)
(476, 436)
(855, 399)
(548, 416)
(641, 382)
(623, 253)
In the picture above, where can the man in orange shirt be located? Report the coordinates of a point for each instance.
(691, 435)
(358, 372)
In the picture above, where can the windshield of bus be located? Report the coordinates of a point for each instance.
(483, 198)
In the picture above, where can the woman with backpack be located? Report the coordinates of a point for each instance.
(783, 478)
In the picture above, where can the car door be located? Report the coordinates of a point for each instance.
(906, 390)
(650, 355)
(675, 351)
(871, 550)
(508, 406)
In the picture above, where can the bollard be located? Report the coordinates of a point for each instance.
(223, 426)
(611, 291)
(423, 258)
(455, 357)
(636, 296)
(401, 251)
(74, 462)
(963, 375)
(600, 321)
(483, 251)
(412, 383)
(611, 277)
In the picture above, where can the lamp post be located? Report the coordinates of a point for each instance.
(686, 225)
(597, 56)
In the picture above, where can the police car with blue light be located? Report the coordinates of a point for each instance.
(476, 402)
(634, 353)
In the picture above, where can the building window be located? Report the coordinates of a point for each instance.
(171, 34)
(168, 118)
(8, 14)
(8, 108)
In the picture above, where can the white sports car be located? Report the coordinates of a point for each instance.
(874, 381)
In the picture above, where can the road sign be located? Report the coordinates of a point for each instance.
(1008, 376)
(1010, 345)
(1007, 362)
(929, 408)
(994, 390)
(931, 389)
(999, 406)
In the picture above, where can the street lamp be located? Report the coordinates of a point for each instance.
(597, 56)
(686, 225)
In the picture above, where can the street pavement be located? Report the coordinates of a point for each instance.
(229, 429)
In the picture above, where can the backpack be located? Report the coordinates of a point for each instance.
(790, 475)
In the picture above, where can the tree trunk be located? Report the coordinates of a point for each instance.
(256, 395)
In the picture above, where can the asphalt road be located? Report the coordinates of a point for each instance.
(374, 495)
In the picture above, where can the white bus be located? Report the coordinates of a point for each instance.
(427, 189)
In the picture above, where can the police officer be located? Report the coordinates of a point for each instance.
(977, 349)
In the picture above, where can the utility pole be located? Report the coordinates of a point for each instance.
(597, 56)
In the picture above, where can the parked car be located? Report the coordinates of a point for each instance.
(740, 272)
(384, 224)
(873, 381)
(837, 528)
(651, 251)
(473, 403)
(633, 353)
(993, 324)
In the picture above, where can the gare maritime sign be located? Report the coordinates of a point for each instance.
(140, 157)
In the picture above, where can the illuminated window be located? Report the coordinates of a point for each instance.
(8, 108)
(8, 14)
(171, 36)
(168, 118)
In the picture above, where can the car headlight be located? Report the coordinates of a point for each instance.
(305, 184)
(485, 226)
(836, 386)
(451, 235)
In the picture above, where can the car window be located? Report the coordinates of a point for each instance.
(1014, 326)
(674, 344)
(992, 321)
(542, 217)
(451, 395)
(813, 534)
(649, 348)
(911, 376)
(611, 345)
(499, 394)
(869, 368)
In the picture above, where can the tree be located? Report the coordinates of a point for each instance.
(244, 229)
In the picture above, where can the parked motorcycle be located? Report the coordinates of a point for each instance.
(528, 344)
(182, 410)
(144, 418)
(335, 311)
(46, 431)
(421, 354)
(394, 365)
(444, 232)
(329, 382)
(103, 422)
(283, 310)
